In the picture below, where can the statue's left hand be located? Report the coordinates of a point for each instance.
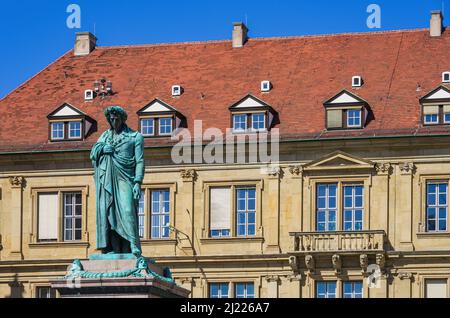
(137, 191)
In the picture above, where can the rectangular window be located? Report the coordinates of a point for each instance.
(160, 214)
(240, 123)
(57, 131)
(165, 126)
(148, 127)
(72, 216)
(432, 119)
(446, 111)
(353, 289)
(259, 122)
(325, 289)
(45, 292)
(435, 288)
(75, 130)
(437, 207)
(246, 211)
(220, 210)
(353, 207)
(431, 115)
(219, 290)
(354, 118)
(48, 217)
(245, 290)
(326, 207)
(141, 216)
(334, 118)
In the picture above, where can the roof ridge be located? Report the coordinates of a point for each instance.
(263, 38)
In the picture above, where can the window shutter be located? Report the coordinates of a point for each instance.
(334, 118)
(48, 217)
(446, 109)
(220, 209)
(436, 288)
(430, 110)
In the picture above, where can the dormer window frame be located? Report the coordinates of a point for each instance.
(249, 113)
(66, 120)
(171, 113)
(436, 108)
(337, 113)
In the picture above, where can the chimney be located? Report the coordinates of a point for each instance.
(239, 34)
(85, 43)
(436, 24)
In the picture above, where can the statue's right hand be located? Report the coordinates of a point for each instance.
(108, 150)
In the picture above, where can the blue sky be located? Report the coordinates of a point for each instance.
(34, 33)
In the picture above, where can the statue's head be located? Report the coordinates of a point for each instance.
(116, 117)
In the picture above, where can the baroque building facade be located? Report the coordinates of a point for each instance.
(356, 205)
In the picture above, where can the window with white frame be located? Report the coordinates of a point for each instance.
(57, 131)
(326, 207)
(49, 228)
(219, 290)
(220, 207)
(326, 289)
(160, 211)
(352, 289)
(353, 207)
(245, 290)
(437, 206)
(246, 211)
(141, 216)
(165, 126)
(259, 122)
(240, 123)
(45, 292)
(72, 216)
(436, 288)
(446, 111)
(148, 127)
(354, 118)
(75, 130)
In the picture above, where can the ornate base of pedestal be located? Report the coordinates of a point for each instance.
(117, 276)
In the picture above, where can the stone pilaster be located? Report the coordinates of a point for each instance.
(185, 219)
(272, 210)
(404, 197)
(272, 286)
(16, 211)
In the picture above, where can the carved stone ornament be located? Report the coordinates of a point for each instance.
(17, 182)
(337, 263)
(407, 167)
(296, 170)
(293, 263)
(363, 262)
(383, 168)
(381, 260)
(310, 263)
(188, 175)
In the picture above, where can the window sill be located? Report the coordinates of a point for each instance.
(59, 244)
(150, 242)
(433, 234)
(225, 240)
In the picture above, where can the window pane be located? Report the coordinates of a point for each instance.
(165, 126)
(437, 206)
(74, 130)
(240, 122)
(57, 130)
(148, 127)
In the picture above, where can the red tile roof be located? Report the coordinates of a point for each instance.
(305, 72)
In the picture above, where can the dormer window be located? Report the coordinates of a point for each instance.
(346, 111)
(436, 107)
(159, 119)
(68, 123)
(251, 115)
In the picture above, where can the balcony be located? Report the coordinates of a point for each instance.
(339, 242)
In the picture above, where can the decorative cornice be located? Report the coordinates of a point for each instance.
(383, 168)
(189, 175)
(17, 182)
(407, 168)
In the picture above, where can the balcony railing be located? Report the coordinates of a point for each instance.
(361, 241)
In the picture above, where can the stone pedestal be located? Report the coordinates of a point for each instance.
(118, 276)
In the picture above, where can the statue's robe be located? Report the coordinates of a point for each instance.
(115, 177)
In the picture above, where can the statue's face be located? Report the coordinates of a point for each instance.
(115, 121)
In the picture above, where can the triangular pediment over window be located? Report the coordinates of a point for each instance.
(338, 161)
(439, 94)
(250, 102)
(344, 98)
(157, 107)
(66, 111)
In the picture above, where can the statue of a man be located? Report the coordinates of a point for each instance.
(118, 159)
